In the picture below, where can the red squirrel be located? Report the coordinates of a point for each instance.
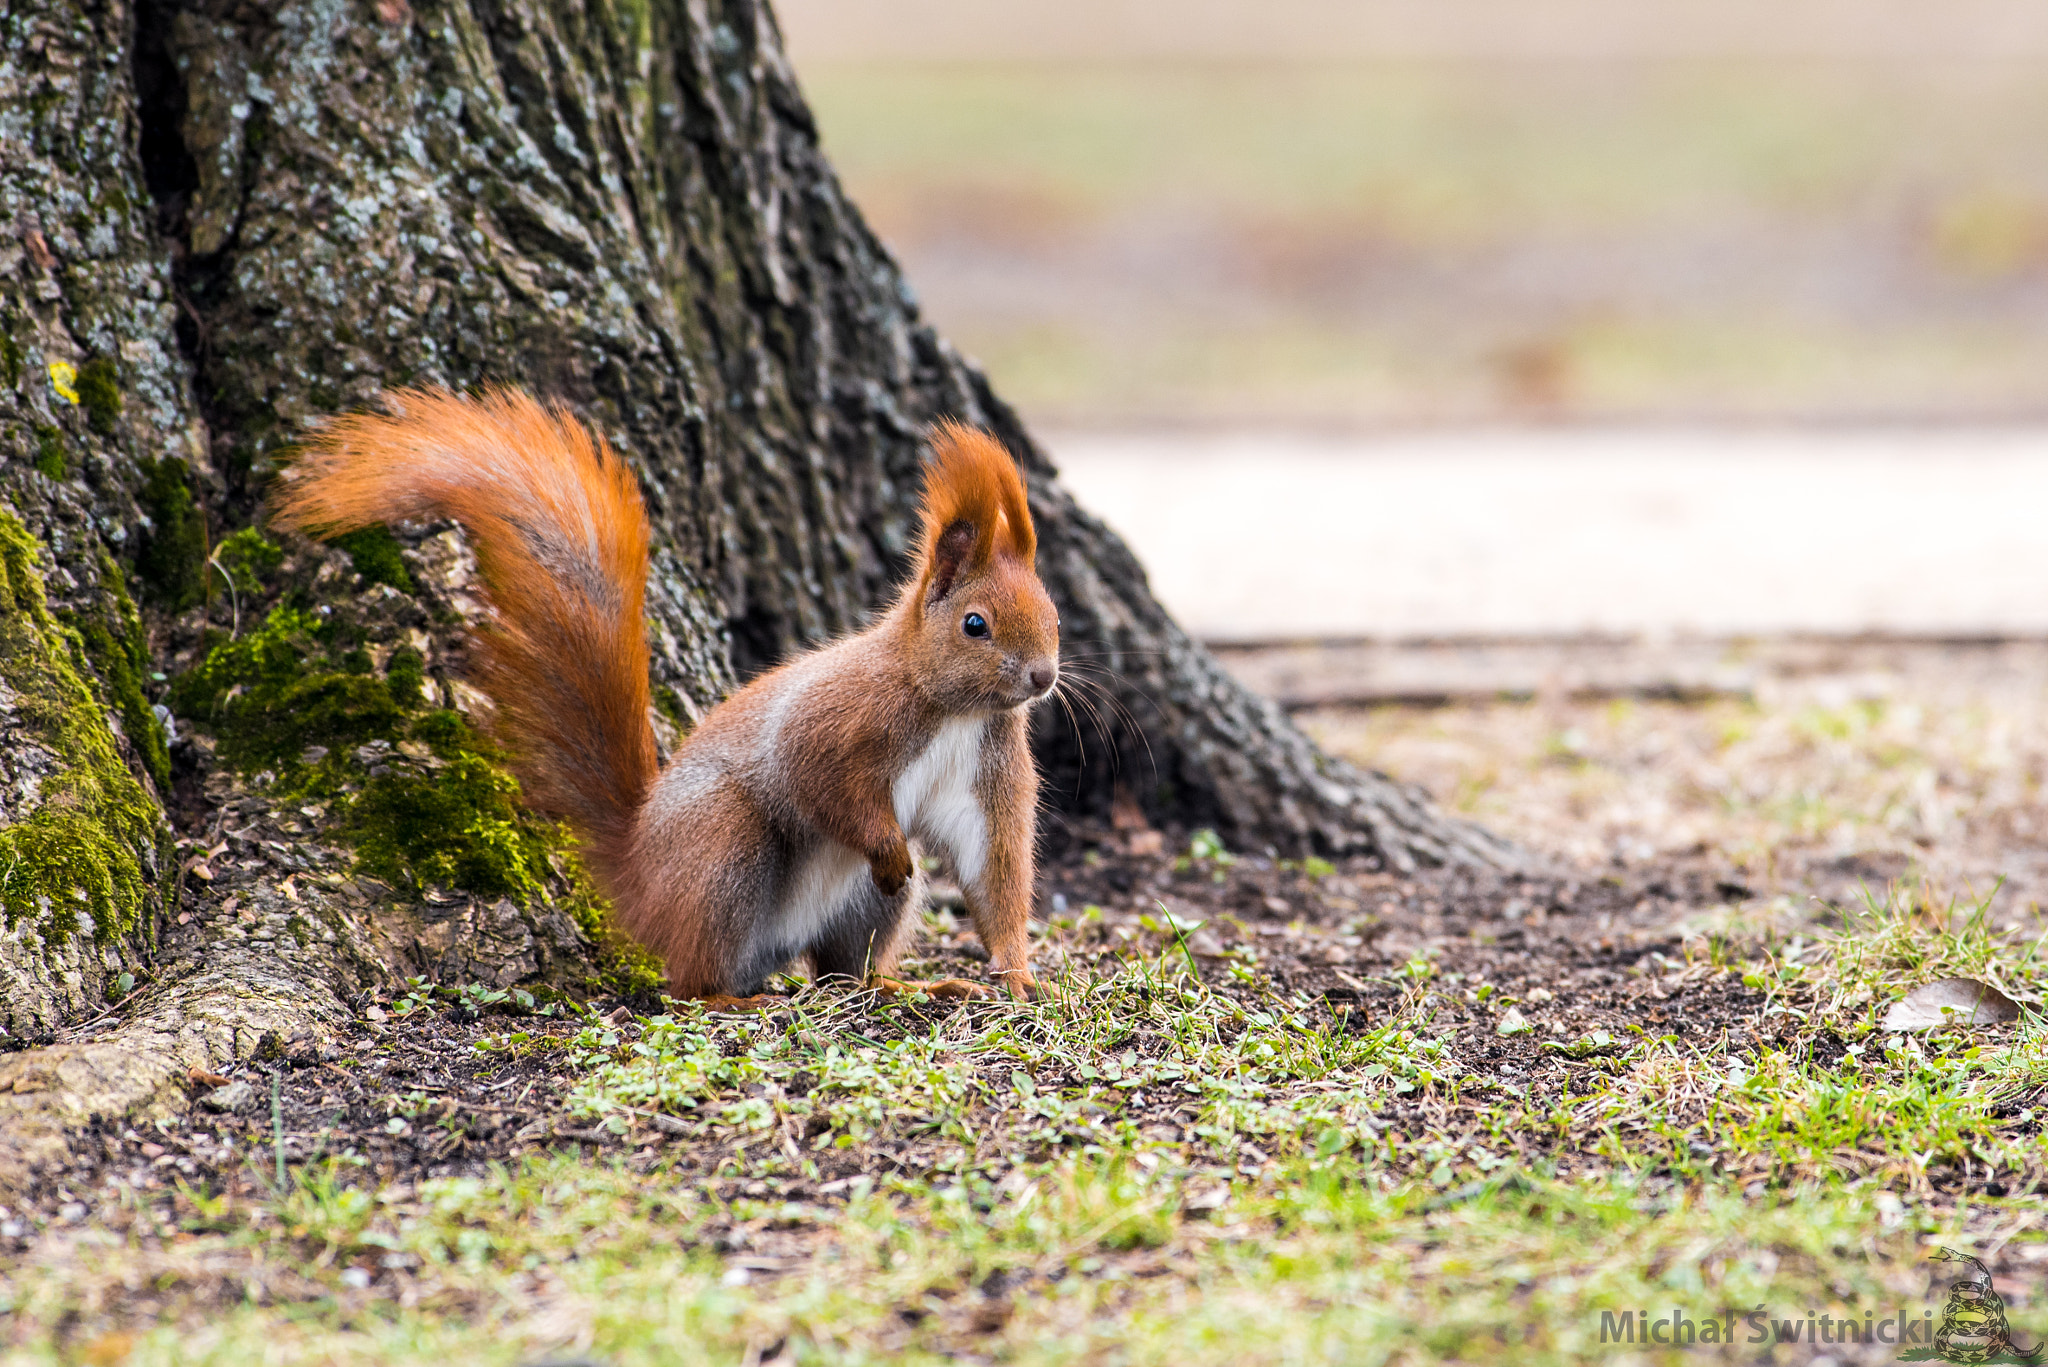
(788, 824)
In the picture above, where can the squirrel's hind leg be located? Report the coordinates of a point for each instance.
(713, 869)
(867, 936)
(865, 942)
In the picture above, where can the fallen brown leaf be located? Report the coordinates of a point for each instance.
(1959, 1001)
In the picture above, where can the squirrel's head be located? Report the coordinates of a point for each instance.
(988, 635)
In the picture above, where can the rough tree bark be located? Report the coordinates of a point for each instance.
(224, 219)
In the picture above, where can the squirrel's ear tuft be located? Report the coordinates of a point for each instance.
(949, 553)
(974, 508)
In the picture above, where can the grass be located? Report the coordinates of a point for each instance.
(566, 1257)
(1146, 1062)
(1149, 1170)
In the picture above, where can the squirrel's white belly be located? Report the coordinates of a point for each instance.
(935, 804)
(934, 797)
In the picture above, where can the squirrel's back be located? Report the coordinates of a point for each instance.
(560, 536)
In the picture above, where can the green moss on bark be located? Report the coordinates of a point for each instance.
(405, 674)
(279, 691)
(417, 792)
(119, 655)
(376, 555)
(50, 458)
(624, 967)
(419, 795)
(99, 392)
(86, 846)
(172, 560)
(248, 559)
(458, 824)
(115, 662)
(670, 704)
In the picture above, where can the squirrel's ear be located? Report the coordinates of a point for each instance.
(949, 552)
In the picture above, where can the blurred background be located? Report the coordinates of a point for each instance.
(1540, 358)
(1355, 250)
(1361, 213)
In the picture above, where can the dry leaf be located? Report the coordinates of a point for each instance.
(1960, 1001)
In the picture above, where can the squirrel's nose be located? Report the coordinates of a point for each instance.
(1042, 676)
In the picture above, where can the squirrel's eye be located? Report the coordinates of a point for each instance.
(976, 625)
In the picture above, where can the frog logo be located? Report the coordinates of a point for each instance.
(1973, 1324)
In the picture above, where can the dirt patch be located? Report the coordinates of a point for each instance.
(405, 1098)
(1817, 768)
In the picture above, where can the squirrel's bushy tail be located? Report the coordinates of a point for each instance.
(561, 539)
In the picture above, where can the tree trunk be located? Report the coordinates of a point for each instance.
(225, 220)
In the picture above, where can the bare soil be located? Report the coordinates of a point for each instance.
(1599, 945)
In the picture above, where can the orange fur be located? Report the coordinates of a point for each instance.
(971, 480)
(784, 826)
(561, 540)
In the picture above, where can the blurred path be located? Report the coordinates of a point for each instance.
(1250, 537)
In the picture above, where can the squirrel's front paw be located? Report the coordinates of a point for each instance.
(891, 868)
